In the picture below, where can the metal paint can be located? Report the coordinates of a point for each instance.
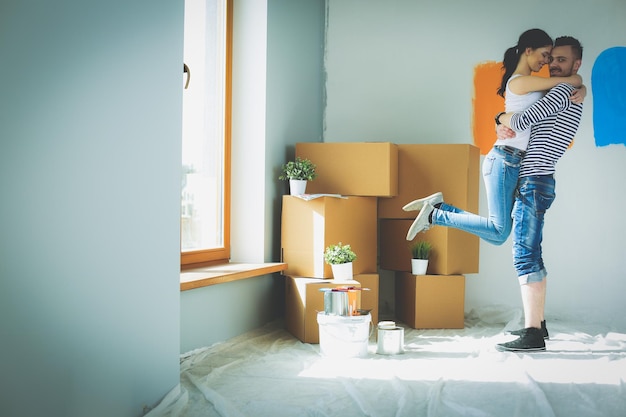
(390, 338)
(336, 303)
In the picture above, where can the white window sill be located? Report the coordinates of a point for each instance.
(219, 274)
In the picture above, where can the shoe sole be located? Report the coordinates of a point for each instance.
(418, 224)
(506, 349)
(414, 230)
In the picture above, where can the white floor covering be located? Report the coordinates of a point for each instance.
(443, 373)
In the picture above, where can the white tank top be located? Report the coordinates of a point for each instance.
(516, 103)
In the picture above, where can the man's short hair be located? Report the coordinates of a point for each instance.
(573, 42)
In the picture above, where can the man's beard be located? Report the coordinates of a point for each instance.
(559, 73)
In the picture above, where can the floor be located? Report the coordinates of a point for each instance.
(446, 373)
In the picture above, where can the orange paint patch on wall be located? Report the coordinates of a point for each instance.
(487, 103)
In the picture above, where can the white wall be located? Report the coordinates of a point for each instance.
(248, 130)
(401, 71)
(90, 126)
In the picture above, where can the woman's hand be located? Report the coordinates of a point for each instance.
(579, 94)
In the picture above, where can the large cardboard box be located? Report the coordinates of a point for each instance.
(453, 251)
(426, 169)
(309, 227)
(304, 300)
(430, 301)
(360, 168)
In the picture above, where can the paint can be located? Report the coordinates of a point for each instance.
(390, 338)
(336, 303)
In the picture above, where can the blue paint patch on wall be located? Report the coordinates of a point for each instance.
(608, 82)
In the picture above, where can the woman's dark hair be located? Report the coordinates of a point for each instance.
(532, 38)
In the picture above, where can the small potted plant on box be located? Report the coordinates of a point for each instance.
(298, 172)
(420, 250)
(340, 258)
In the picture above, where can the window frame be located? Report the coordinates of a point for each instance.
(205, 257)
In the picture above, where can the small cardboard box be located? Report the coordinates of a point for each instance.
(304, 300)
(309, 227)
(360, 168)
(430, 301)
(453, 251)
(426, 169)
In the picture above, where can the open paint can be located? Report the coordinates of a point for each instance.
(390, 338)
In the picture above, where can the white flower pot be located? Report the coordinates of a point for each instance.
(342, 272)
(297, 187)
(419, 266)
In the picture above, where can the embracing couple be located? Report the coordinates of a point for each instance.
(541, 118)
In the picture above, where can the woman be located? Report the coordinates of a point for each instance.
(502, 163)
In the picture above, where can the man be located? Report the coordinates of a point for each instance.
(554, 120)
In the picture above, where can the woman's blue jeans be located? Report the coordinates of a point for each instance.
(500, 174)
(533, 198)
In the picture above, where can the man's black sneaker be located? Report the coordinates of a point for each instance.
(546, 336)
(530, 340)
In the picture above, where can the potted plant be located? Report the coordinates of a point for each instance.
(420, 250)
(298, 172)
(340, 258)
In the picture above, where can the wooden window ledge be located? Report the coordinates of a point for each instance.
(219, 274)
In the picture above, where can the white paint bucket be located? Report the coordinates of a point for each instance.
(390, 338)
(344, 336)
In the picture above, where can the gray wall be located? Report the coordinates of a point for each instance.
(294, 94)
(90, 125)
(277, 101)
(401, 71)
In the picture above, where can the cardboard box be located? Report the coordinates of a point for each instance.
(309, 227)
(360, 168)
(304, 300)
(430, 301)
(369, 299)
(453, 251)
(426, 169)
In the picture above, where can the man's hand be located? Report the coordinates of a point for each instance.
(504, 132)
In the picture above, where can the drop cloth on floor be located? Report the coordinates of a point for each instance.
(443, 373)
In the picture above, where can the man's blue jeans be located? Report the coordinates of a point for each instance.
(500, 174)
(533, 198)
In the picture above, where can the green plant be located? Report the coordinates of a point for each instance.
(339, 254)
(300, 169)
(421, 249)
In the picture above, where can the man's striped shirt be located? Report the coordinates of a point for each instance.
(554, 120)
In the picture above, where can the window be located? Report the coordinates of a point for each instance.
(205, 199)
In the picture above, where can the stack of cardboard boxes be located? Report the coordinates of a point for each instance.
(375, 180)
(356, 174)
(436, 300)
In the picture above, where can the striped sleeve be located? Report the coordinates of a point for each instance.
(554, 102)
